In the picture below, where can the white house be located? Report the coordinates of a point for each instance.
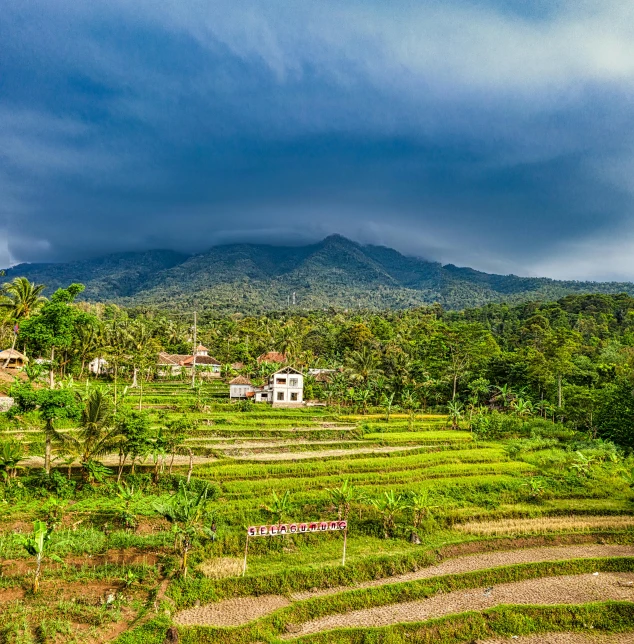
(240, 388)
(285, 388)
(98, 366)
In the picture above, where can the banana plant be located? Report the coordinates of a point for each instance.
(456, 412)
(389, 505)
(280, 506)
(185, 511)
(11, 453)
(36, 545)
(342, 498)
(421, 505)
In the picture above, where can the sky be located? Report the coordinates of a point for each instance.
(496, 135)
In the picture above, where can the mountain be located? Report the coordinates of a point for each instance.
(334, 272)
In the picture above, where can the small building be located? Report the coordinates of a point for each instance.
(240, 388)
(98, 366)
(285, 388)
(173, 364)
(274, 357)
(12, 359)
(322, 375)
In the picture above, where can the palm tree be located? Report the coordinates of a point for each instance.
(98, 434)
(362, 366)
(22, 298)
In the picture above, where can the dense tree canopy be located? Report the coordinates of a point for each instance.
(572, 359)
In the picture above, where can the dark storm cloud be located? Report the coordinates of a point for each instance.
(475, 133)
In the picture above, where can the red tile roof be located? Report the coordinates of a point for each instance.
(240, 380)
(272, 356)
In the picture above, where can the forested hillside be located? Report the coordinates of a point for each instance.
(335, 272)
(571, 360)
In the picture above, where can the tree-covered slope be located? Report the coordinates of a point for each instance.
(334, 272)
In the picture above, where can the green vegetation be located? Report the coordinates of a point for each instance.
(125, 497)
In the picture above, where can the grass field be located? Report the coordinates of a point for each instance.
(451, 497)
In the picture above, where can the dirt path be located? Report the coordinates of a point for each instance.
(231, 612)
(573, 589)
(240, 610)
(469, 563)
(112, 460)
(568, 638)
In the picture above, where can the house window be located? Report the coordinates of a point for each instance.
(280, 395)
(294, 396)
(265, 395)
(293, 382)
(280, 381)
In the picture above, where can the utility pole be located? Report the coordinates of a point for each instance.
(294, 302)
(194, 353)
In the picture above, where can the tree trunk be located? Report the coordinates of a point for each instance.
(455, 386)
(122, 458)
(559, 391)
(47, 454)
(38, 572)
(6, 362)
(172, 463)
(191, 464)
(51, 375)
(134, 379)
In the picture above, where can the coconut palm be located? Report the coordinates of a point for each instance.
(362, 366)
(98, 434)
(21, 299)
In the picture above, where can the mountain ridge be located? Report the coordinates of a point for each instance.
(334, 272)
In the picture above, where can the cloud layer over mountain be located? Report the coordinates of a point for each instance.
(492, 134)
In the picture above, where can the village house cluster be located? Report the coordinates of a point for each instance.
(284, 388)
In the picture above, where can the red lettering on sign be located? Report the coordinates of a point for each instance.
(313, 526)
(273, 530)
(303, 527)
(343, 525)
(323, 526)
(264, 530)
(252, 531)
(333, 525)
(283, 529)
(292, 528)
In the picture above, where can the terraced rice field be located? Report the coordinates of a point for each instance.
(506, 543)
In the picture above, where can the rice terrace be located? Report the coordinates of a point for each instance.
(404, 476)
